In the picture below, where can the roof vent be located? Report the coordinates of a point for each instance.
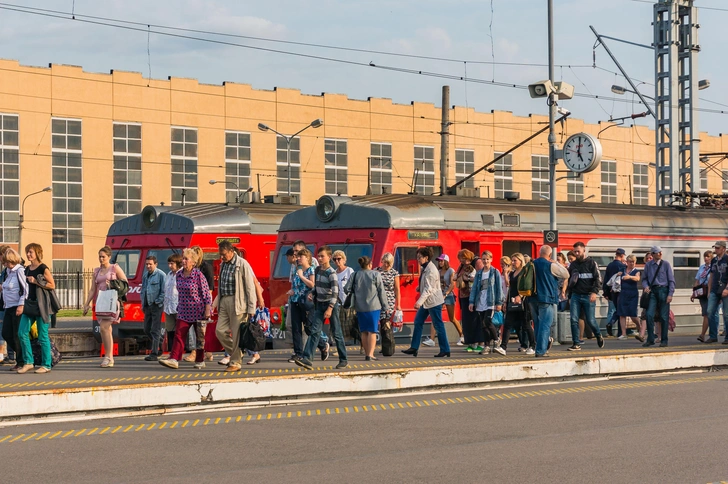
(488, 219)
(510, 220)
(511, 196)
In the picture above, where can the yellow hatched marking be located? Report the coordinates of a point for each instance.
(328, 411)
(240, 417)
(151, 426)
(7, 437)
(43, 436)
(337, 410)
(18, 437)
(106, 429)
(52, 436)
(207, 421)
(141, 426)
(298, 414)
(30, 436)
(356, 409)
(288, 415)
(67, 434)
(80, 432)
(227, 420)
(164, 424)
(174, 424)
(269, 416)
(318, 412)
(184, 424)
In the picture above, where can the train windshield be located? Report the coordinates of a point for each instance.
(353, 252)
(162, 255)
(128, 260)
(283, 268)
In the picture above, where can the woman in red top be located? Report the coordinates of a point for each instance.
(192, 308)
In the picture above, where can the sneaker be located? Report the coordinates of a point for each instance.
(545, 355)
(461, 341)
(469, 349)
(151, 358)
(521, 348)
(499, 350)
(169, 363)
(342, 364)
(663, 344)
(711, 340)
(581, 342)
(574, 347)
(200, 365)
(429, 342)
(530, 351)
(551, 343)
(325, 352)
(623, 337)
(609, 330)
(292, 359)
(224, 361)
(10, 362)
(483, 351)
(647, 344)
(600, 341)
(303, 362)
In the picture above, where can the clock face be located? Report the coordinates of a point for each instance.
(582, 153)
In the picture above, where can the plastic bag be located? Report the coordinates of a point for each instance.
(397, 321)
(497, 319)
(262, 317)
(107, 304)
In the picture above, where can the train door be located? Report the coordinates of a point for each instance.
(473, 247)
(405, 262)
(525, 247)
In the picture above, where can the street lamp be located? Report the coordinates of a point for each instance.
(316, 123)
(703, 84)
(237, 197)
(21, 216)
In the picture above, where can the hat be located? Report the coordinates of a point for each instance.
(720, 243)
(656, 249)
(444, 257)
(620, 252)
(290, 252)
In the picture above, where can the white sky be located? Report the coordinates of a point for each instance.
(456, 29)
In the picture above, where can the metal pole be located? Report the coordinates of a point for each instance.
(444, 139)
(552, 116)
(21, 217)
(288, 161)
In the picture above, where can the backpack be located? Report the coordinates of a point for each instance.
(527, 281)
(55, 354)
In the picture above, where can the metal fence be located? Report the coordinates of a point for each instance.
(72, 288)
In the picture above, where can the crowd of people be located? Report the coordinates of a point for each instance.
(523, 296)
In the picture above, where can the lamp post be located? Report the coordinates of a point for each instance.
(702, 84)
(21, 216)
(316, 123)
(237, 197)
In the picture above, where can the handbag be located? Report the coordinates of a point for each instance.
(107, 304)
(252, 337)
(700, 291)
(645, 300)
(349, 301)
(31, 308)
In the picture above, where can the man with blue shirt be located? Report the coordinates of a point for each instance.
(659, 283)
(718, 287)
(547, 297)
(152, 304)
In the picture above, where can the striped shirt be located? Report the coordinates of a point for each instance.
(327, 286)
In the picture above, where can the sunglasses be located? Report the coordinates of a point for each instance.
(337, 258)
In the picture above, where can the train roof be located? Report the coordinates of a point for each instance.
(416, 212)
(253, 218)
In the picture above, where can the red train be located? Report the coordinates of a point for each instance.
(374, 225)
(161, 231)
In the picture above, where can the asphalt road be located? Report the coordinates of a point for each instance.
(647, 429)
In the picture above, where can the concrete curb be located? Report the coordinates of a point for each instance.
(265, 390)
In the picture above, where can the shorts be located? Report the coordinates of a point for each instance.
(450, 300)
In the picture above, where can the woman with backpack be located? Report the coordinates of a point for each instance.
(486, 298)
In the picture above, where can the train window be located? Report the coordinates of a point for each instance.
(685, 266)
(405, 259)
(353, 252)
(282, 267)
(128, 260)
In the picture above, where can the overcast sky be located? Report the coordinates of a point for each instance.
(453, 29)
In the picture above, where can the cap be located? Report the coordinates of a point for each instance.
(290, 252)
(620, 252)
(656, 249)
(720, 243)
(444, 257)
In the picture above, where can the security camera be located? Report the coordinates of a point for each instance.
(563, 111)
(541, 89)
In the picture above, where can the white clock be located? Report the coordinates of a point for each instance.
(582, 153)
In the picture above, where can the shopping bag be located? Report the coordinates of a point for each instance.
(262, 317)
(107, 304)
(397, 321)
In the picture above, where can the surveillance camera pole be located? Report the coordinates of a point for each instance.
(552, 116)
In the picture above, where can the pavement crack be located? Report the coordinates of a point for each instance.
(205, 398)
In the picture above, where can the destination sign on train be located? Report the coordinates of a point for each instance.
(232, 240)
(416, 235)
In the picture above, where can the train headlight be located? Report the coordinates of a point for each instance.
(325, 208)
(149, 216)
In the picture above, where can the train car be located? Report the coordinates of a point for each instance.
(161, 231)
(374, 225)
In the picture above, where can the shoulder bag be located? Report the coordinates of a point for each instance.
(645, 297)
(349, 301)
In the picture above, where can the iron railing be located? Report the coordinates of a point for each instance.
(72, 288)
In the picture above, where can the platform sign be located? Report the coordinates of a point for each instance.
(551, 237)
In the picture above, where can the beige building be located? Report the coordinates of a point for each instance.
(109, 144)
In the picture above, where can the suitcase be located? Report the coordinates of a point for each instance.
(387, 336)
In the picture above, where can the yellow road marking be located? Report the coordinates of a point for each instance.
(43, 436)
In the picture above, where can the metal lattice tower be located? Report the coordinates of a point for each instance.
(676, 98)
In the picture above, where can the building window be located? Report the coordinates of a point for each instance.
(184, 165)
(425, 169)
(609, 181)
(127, 170)
(464, 166)
(237, 164)
(539, 177)
(67, 179)
(67, 266)
(704, 180)
(640, 183)
(282, 166)
(335, 166)
(10, 186)
(724, 173)
(503, 175)
(575, 189)
(380, 168)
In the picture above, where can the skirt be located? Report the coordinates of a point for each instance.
(627, 304)
(368, 321)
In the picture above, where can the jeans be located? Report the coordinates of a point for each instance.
(11, 324)
(658, 298)
(610, 312)
(714, 302)
(153, 326)
(485, 318)
(435, 314)
(517, 320)
(581, 305)
(45, 343)
(543, 320)
(316, 331)
(298, 314)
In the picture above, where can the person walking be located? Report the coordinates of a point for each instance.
(547, 274)
(473, 335)
(617, 266)
(429, 303)
(718, 286)
(701, 285)
(515, 309)
(152, 295)
(236, 300)
(629, 299)
(14, 291)
(38, 277)
(302, 308)
(325, 298)
(659, 283)
(486, 298)
(447, 283)
(196, 337)
(343, 274)
(193, 308)
(390, 279)
(584, 285)
(171, 298)
(3, 344)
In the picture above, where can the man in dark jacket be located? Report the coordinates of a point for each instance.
(614, 267)
(584, 283)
